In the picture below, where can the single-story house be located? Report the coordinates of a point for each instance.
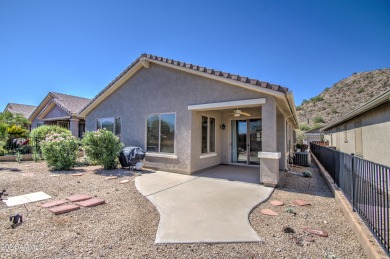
(364, 131)
(62, 110)
(24, 110)
(189, 118)
(313, 135)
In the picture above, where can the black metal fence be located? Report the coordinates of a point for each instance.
(366, 186)
(23, 146)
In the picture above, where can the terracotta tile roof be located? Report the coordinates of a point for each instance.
(24, 109)
(247, 80)
(211, 71)
(70, 103)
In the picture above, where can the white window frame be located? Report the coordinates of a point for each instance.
(114, 118)
(208, 136)
(158, 153)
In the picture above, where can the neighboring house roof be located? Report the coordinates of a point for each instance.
(144, 59)
(317, 130)
(376, 101)
(69, 103)
(23, 109)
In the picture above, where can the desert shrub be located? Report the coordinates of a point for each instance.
(317, 99)
(318, 119)
(103, 147)
(304, 127)
(18, 157)
(60, 151)
(360, 90)
(36, 156)
(304, 101)
(39, 134)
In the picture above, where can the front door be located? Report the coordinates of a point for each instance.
(245, 141)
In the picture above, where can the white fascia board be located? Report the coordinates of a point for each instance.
(227, 105)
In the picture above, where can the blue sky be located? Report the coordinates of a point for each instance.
(78, 47)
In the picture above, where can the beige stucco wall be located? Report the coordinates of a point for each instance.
(375, 135)
(159, 89)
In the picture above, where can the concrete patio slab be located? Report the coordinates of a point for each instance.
(159, 181)
(196, 209)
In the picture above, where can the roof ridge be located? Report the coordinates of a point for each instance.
(207, 70)
(22, 104)
(56, 94)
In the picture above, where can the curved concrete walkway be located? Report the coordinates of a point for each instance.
(202, 208)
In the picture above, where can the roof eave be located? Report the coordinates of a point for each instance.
(381, 99)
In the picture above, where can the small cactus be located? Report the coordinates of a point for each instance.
(306, 174)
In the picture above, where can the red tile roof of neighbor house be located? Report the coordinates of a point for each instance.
(239, 78)
(23, 109)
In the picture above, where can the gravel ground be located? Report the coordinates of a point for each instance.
(125, 227)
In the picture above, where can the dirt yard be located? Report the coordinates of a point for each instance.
(125, 227)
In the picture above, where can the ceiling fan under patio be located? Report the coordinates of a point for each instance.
(238, 113)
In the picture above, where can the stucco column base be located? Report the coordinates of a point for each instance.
(269, 168)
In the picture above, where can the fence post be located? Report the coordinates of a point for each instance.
(353, 181)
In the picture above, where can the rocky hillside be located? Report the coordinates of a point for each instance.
(342, 97)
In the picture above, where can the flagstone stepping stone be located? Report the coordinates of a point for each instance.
(318, 232)
(301, 202)
(64, 209)
(52, 203)
(79, 174)
(79, 197)
(111, 177)
(91, 202)
(269, 212)
(124, 181)
(54, 175)
(276, 203)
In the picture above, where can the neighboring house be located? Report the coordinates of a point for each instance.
(313, 135)
(364, 131)
(189, 118)
(62, 110)
(22, 109)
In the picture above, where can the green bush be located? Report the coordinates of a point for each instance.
(60, 151)
(304, 127)
(318, 119)
(317, 99)
(39, 134)
(16, 131)
(103, 147)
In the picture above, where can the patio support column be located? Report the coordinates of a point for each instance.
(74, 127)
(269, 157)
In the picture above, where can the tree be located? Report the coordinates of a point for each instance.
(13, 119)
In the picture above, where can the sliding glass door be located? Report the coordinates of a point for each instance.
(245, 141)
